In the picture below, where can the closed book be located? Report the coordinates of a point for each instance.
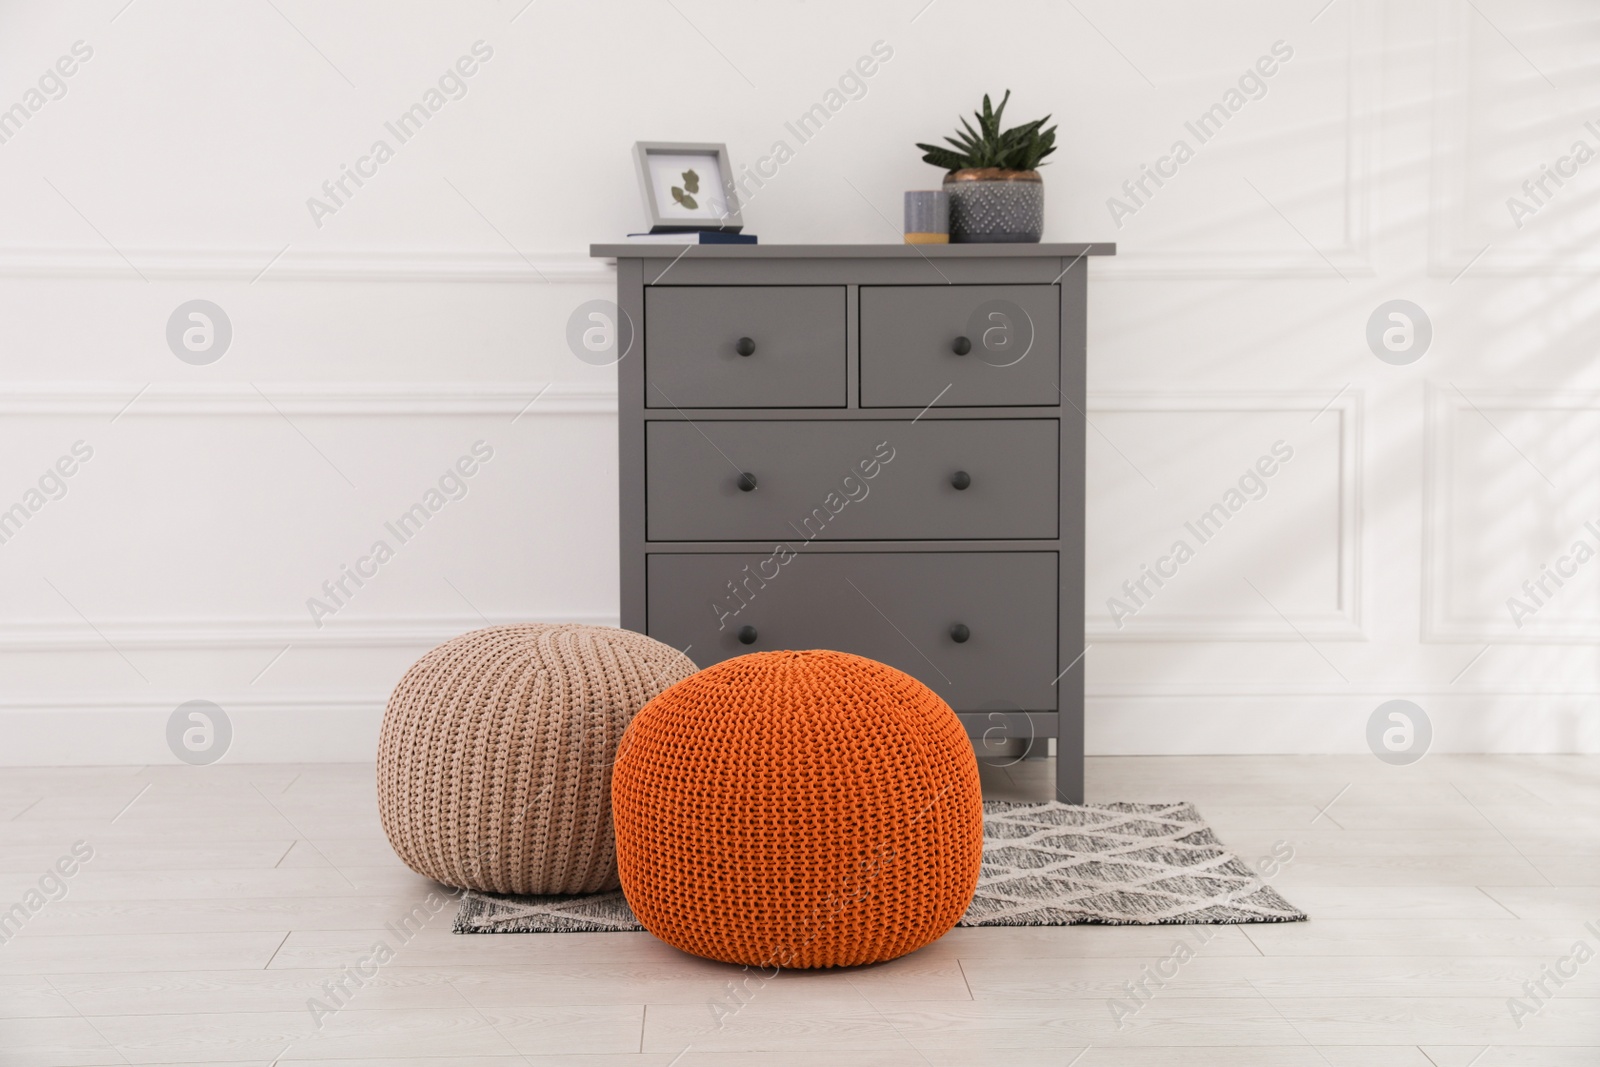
(700, 237)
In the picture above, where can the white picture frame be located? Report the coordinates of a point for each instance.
(687, 186)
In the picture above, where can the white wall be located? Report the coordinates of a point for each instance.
(371, 351)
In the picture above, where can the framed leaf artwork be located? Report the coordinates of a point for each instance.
(687, 187)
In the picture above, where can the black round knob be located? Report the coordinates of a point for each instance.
(961, 346)
(958, 633)
(745, 347)
(747, 482)
(961, 479)
(747, 635)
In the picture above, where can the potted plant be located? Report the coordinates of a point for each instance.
(993, 181)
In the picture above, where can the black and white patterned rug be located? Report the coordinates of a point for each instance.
(1044, 864)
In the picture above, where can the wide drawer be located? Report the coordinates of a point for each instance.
(744, 346)
(912, 337)
(897, 608)
(803, 479)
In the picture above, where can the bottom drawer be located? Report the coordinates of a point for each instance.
(895, 607)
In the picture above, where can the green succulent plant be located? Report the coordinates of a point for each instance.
(1019, 148)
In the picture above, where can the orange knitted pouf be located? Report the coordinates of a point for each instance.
(798, 809)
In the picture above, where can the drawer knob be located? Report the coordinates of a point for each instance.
(958, 633)
(961, 479)
(745, 346)
(747, 635)
(961, 346)
(747, 482)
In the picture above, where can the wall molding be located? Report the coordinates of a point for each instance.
(343, 727)
(1352, 256)
(1153, 691)
(1449, 253)
(138, 400)
(123, 704)
(1341, 691)
(194, 634)
(507, 399)
(1344, 622)
(1441, 622)
(250, 265)
(304, 265)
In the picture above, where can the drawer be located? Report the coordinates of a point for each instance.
(692, 346)
(897, 608)
(869, 479)
(910, 335)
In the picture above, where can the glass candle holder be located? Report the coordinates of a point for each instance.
(927, 217)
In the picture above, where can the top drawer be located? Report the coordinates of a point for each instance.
(967, 345)
(744, 346)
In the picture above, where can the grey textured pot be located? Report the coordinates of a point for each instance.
(993, 205)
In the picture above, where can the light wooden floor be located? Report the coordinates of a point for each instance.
(219, 899)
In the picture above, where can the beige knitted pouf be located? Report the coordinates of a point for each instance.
(494, 762)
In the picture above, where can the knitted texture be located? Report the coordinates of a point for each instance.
(495, 754)
(798, 809)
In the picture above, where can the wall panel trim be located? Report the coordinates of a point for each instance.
(294, 265)
(139, 400)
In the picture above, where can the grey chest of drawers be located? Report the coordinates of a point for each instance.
(876, 449)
